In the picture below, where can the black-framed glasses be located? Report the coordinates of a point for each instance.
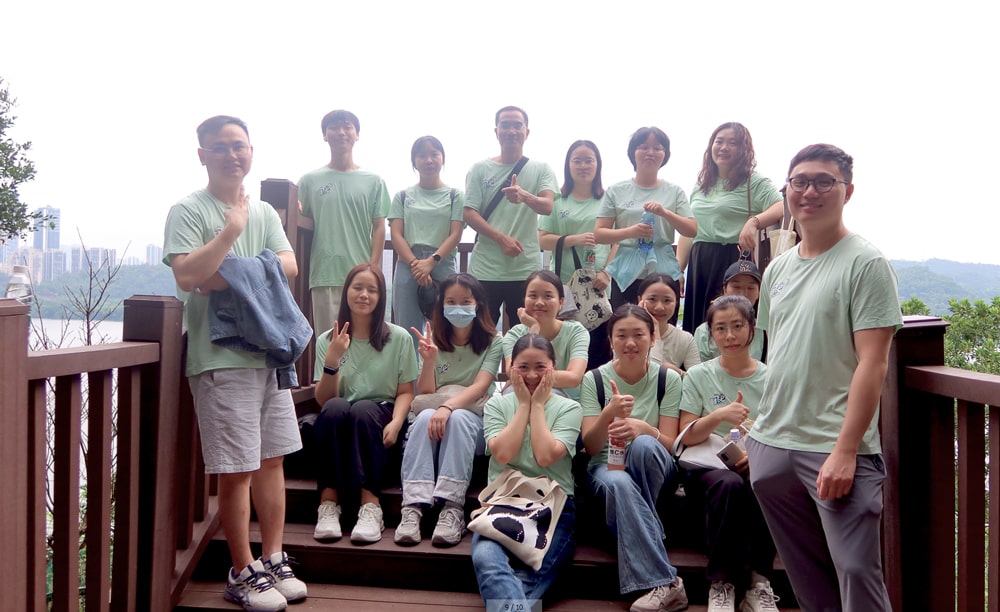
(239, 148)
(822, 184)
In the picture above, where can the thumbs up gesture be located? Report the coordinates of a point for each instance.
(620, 405)
(736, 412)
(514, 193)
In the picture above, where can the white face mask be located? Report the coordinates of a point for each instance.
(460, 316)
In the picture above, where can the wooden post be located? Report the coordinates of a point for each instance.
(157, 319)
(15, 505)
(918, 539)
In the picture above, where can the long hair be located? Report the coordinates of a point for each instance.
(483, 329)
(596, 188)
(743, 165)
(669, 281)
(378, 331)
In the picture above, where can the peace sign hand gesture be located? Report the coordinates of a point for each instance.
(426, 348)
(340, 341)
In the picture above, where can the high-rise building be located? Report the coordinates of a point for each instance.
(47, 232)
(154, 254)
(53, 264)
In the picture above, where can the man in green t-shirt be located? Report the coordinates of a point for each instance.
(830, 308)
(507, 251)
(247, 424)
(348, 205)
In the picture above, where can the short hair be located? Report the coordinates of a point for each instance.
(536, 341)
(827, 153)
(483, 329)
(337, 116)
(667, 280)
(641, 135)
(742, 306)
(596, 188)
(743, 164)
(378, 332)
(419, 143)
(213, 124)
(511, 108)
(547, 276)
(627, 310)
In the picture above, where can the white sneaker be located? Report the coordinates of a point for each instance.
(284, 579)
(760, 598)
(450, 527)
(668, 598)
(408, 531)
(328, 523)
(253, 588)
(721, 597)
(369, 527)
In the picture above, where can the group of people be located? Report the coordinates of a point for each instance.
(829, 308)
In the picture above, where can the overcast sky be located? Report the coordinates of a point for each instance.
(110, 94)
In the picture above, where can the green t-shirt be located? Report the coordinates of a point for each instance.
(811, 309)
(722, 214)
(192, 223)
(460, 367)
(427, 214)
(707, 387)
(572, 342)
(677, 347)
(708, 350)
(624, 201)
(487, 261)
(563, 417)
(343, 206)
(571, 216)
(644, 392)
(369, 374)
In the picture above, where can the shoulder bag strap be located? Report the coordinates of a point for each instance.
(599, 382)
(558, 255)
(661, 386)
(499, 194)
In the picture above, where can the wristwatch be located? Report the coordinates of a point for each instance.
(330, 371)
(437, 258)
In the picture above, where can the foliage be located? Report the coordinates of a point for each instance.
(973, 338)
(15, 169)
(915, 306)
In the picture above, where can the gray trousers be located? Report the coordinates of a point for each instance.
(831, 549)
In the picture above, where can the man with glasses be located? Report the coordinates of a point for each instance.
(247, 423)
(348, 206)
(506, 251)
(830, 309)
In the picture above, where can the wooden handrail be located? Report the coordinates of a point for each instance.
(960, 384)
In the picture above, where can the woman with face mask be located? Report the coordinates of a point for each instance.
(461, 354)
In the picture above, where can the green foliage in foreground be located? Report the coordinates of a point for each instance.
(973, 339)
(15, 169)
(915, 306)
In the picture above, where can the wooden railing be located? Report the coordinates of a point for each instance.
(164, 509)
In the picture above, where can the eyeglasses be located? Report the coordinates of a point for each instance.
(239, 148)
(583, 161)
(822, 184)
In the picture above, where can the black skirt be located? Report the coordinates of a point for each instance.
(706, 269)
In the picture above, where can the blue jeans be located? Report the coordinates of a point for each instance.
(451, 456)
(504, 580)
(405, 306)
(630, 510)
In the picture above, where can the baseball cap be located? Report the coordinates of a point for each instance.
(743, 266)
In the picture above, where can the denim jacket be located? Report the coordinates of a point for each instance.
(257, 313)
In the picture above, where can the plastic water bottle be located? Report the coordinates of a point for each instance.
(590, 262)
(736, 437)
(19, 285)
(645, 244)
(616, 452)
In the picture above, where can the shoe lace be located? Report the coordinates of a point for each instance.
(410, 517)
(259, 581)
(282, 568)
(328, 511)
(450, 517)
(367, 514)
(720, 594)
(766, 595)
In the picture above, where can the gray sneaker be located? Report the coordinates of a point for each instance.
(760, 598)
(667, 598)
(328, 522)
(369, 527)
(450, 527)
(284, 579)
(408, 532)
(721, 597)
(253, 588)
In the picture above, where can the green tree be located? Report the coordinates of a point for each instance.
(915, 306)
(15, 169)
(973, 338)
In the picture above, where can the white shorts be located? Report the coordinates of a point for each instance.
(243, 418)
(325, 307)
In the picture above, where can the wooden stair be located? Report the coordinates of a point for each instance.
(384, 576)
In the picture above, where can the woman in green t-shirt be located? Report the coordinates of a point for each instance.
(533, 431)
(720, 395)
(365, 370)
(461, 355)
(573, 216)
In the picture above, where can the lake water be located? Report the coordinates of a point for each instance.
(65, 334)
